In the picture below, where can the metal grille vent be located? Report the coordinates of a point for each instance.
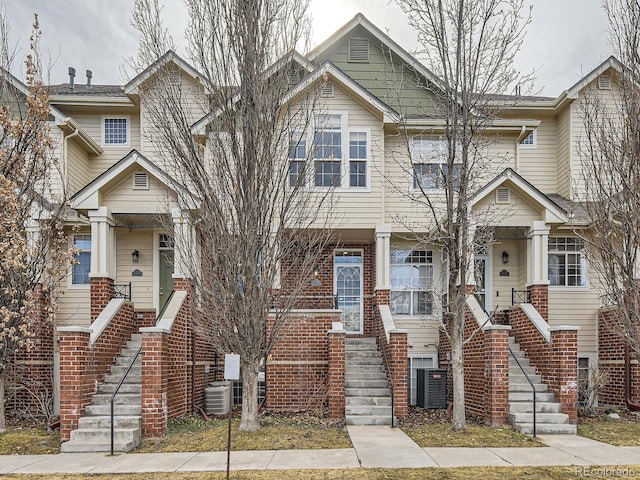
(140, 181)
(503, 195)
(358, 50)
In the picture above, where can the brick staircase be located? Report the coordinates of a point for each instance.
(549, 417)
(367, 393)
(94, 428)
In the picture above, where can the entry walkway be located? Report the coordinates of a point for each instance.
(373, 447)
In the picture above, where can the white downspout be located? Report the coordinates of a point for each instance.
(75, 133)
(521, 137)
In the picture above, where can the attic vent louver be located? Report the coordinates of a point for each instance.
(358, 50)
(604, 82)
(140, 181)
(327, 90)
(503, 195)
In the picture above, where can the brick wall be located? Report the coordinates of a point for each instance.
(102, 290)
(337, 363)
(611, 359)
(297, 371)
(539, 296)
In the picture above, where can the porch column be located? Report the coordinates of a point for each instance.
(103, 259)
(538, 254)
(184, 245)
(471, 274)
(383, 264)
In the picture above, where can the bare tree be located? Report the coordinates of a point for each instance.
(33, 249)
(253, 219)
(469, 46)
(610, 182)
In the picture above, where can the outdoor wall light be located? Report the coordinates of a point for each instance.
(316, 271)
(505, 257)
(135, 256)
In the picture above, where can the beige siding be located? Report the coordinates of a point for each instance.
(78, 166)
(538, 165)
(516, 213)
(422, 335)
(502, 285)
(579, 307)
(92, 125)
(73, 303)
(122, 198)
(141, 286)
(563, 168)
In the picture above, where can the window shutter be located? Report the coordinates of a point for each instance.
(327, 90)
(503, 195)
(358, 50)
(140, 181)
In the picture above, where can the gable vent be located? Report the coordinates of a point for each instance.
(604, 82)
(140, 181)
(503, 195)
(358, 50)
(327, 90)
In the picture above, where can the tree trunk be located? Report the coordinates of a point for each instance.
(458, 420)
(249, 421)
(3, 420)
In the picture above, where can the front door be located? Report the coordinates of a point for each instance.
(166, 277)
(348, 289)
(482, 276)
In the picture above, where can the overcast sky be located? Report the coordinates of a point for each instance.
(566, 39)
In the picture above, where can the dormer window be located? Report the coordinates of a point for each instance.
(115, 131)
(358, 50)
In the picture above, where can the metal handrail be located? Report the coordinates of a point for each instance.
(533, 387)
(520, 296)
(124, 377)
(122, 290)
(386, 361)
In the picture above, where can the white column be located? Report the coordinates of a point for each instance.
(383, 257)
(471, 235)
(538, 254)
(102, 243)
(185, 248)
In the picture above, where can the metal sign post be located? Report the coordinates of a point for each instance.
(231, 373)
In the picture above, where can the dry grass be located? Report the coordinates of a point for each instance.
(29, 441)
(191, 434)
(624, 432)
(476, 473)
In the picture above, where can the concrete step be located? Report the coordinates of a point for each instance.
(520, 378)
(367, 420)
(104, 421)
(124, 388)
(374, 401)
(366, 383)
(524, 361)
(365, 376)
(367, 392)
(517, 418)
(549, 428)
(79, 446)
(368, 362)
(541, 407)
(356, 369)
(528, 396)
(525, 387)
(103, 435)
(102, 410)
(368, 410)
(121, 370)
(126, 361)
(131, 378)
(120, 399)
(129, 352)
(369, 352)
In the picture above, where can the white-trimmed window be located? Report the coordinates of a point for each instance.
(411, 282)
(82, 263)
(297, 158)
(327, 151)
(531, 140)
(430, 170)
(567, 263)
(115, 131)
(358, 153)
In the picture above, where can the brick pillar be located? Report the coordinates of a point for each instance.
(399, 363)
(496, 367)
(564, 377)
(154, 382)
(182, 284)
(102, 290)
(383, 297)
(74, 392)
(539, 295)
(336, 372)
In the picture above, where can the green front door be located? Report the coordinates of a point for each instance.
(166, 276)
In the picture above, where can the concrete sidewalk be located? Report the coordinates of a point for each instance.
(373, 447)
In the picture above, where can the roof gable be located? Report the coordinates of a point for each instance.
(611, 62)
(169, 57)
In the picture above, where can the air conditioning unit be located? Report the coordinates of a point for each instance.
(217, 398)
(432, 388)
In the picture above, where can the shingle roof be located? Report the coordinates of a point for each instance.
(576, 209)
(83, 90)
